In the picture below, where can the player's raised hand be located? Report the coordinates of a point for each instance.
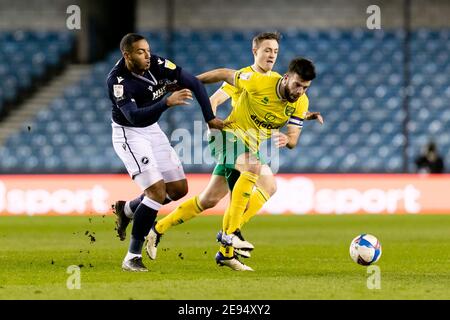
(314, 116)
(280, 139)
(216, 123)
(179, 98)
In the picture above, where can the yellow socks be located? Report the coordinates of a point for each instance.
(226, 219)
(257, 200)
(239, 199)
(227, 251)
(184, 212)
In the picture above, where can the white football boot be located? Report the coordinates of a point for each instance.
(232, 263)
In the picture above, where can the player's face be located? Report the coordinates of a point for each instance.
(295, 87)
(139, 57)
(266, 54)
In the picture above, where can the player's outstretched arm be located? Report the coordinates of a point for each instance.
(218, 98)
(146, 114)
(217, 75)
(152, 112)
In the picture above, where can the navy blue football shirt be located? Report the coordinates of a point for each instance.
(144, 94)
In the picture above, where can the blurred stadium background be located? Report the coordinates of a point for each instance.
(384, 93)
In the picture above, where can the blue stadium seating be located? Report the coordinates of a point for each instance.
(26, 56)
(358, 90)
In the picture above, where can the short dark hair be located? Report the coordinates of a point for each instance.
(265, 36)
(127, 41)
(303, 67)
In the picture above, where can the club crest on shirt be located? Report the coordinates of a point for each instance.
(289, 111)
(118, 90)
(170, 65)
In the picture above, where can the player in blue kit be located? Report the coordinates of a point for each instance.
(137, 86)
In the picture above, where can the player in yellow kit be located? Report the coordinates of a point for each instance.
(266, 103)
(265, 50)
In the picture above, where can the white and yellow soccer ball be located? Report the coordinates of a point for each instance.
(365, 249)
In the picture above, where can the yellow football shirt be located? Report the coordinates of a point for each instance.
(260, 108)
(234, 92)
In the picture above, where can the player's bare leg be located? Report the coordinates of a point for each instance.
(215, 191)
(176, 189)
(217, 188)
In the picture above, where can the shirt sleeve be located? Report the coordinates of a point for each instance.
(146, 115)
(120, 91)
(245, 80)
(228, 89)
(170, 70)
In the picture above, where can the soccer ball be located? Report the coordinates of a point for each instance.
(365, 249)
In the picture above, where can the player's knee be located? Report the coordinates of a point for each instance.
(254, 168)
(270, 189)
(156, 192)
(178, 194)
(178, 190)
(253, 165)
(211, 196)
(248, 162)
(209, 202)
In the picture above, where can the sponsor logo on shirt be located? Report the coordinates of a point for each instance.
(265, 124)
(270, 117)
(158, 93)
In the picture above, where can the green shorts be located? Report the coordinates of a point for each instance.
(226, 148)
(219, 170)
(231, 175)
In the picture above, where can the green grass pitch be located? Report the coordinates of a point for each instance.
(295, 257)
